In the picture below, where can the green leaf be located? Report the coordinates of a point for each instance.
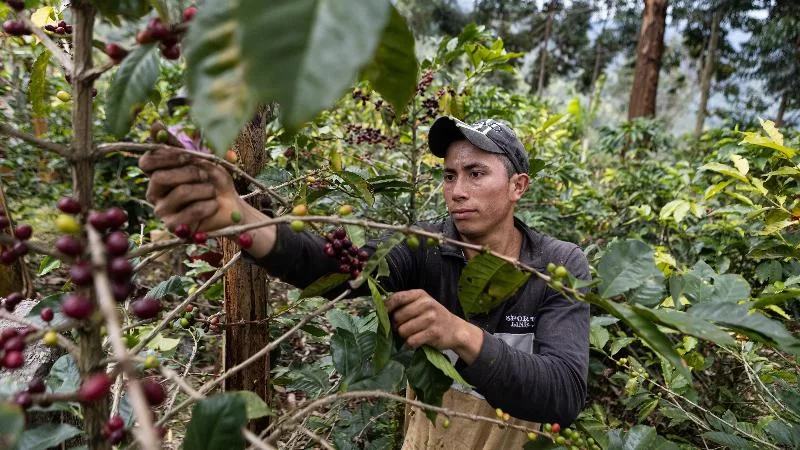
(487, 281)
(725, 170)
(393, 70)
(217, 423)
(598, 337)
(172, 286)
(12, 424)
(761, 141)
(383, 349)
(650, 293)
(163, 343)
(620, 343)
(380, 306)
(428, 382)
(729, 440)
(625, 266)
(129, 9)
(346, 353)
(389, 378)
(130, 88)
(649, 333)
(688, 324)
(738, 317)
(48, 265)
(37, 85)
(443, 363)
(254, 405)
(66, 373)
(359, 185)
(324, 284)
(308, 51)
(47, 435)
(215, 69)
(312, 381)
(380, 253)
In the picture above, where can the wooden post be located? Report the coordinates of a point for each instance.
(246, 286)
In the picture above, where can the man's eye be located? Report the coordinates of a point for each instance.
(476, 174)
(449, 177)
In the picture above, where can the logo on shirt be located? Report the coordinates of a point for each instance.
(520, 321)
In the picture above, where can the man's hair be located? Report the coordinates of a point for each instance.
(510, 170)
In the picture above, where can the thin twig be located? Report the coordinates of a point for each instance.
(316, 404)
(146, 434)
(63, 341)
(314, 437)
(96, 72)
(179, 379)
(180, 383)
(59, 149)
(172, 314)
(63, 58)
(148, 260)
(257, 443)
(258, 355)
(142, 148)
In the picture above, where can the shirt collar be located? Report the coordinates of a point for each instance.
(528, 253)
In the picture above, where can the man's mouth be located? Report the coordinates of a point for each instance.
(462, 214)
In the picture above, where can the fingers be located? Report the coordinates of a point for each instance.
(163, 159)
(419, 324)
(163, 181)
(192, 214)
(413, 309)
(399, 299)
(183, 197)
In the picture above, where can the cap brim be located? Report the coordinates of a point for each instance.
(446, 130)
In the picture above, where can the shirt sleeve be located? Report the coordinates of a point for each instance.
(299, 259)
(548, 386)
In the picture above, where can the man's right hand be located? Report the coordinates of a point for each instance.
(186, 190)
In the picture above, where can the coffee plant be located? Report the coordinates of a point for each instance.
(693, 248)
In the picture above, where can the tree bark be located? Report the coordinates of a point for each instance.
(781, 111)
(648, 60)
(90, 339)
(246, 286)
(548, 28)
(708, 73)
(13, 277)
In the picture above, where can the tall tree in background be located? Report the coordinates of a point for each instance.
(562, 35)
(706, 38)
(773, 54)
(649, 50)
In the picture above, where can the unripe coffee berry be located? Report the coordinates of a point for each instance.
(50, 339)
(300, 210)
(151, 362)
(297, 226)
(236, 217)
(67, 224)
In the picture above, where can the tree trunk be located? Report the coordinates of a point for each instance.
(247, 285)
(90, 339)
(708, 73)
(781, 111)
(648, 60)
(548, 28)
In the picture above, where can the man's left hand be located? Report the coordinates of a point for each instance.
(421, 320)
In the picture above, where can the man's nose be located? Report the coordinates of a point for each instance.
(459, 190)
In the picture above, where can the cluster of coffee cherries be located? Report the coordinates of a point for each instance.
(72, 244)
(557, 273)
(12, 344)
(157, 31)
(358, 134)
(19, 247)
(15, 27)
(61, 27)
(425, 82)
(351, 258)
(568, 438)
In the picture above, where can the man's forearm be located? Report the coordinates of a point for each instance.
(264, 237)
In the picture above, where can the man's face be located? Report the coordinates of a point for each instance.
(477, 190)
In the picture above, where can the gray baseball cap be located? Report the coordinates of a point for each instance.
(488, 134)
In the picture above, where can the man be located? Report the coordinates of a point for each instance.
(528, 356)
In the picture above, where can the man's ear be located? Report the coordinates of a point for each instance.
(519, 183)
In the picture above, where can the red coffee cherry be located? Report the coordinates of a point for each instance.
(77, 306)
(154, 392)
(36, 386)
(183, 231)
(146, 308)
(117, 243)
(12, 360)
(200, 237)
(121, 290)
(81, 273)
(116, 52)
(69, 245)
(95, 387)
(119, 269)
(23, 232)
(98, 220)
(15, 344)
(116, 217)
(69, 205)
(245, 240)
(47, 314)
(189, 13)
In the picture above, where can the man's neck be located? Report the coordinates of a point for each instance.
(506, 240)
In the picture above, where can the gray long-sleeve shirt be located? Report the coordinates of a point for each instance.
(534, 360)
